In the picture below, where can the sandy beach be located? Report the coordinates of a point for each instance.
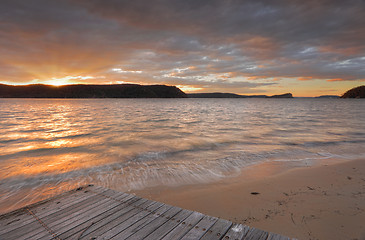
(325, 201)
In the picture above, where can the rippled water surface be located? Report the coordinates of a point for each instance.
(48, 146)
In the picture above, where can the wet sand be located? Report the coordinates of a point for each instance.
(315, 202)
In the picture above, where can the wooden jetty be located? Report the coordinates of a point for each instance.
(93, 212)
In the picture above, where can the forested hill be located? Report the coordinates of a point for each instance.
(357, 92)
(91, 91)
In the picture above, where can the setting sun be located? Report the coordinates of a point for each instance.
(57, 82)
(64, 80)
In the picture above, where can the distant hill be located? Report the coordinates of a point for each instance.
(285, 95)
(91, 91)
(328, 96)
(214, 95)
(357, 92)
(232, 95)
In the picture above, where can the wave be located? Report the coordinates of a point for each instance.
(328, 143)
(165, 167)
(149, 169)
(42, 152)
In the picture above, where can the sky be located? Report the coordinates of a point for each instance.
(308, 48)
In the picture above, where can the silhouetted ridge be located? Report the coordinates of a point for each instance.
(357, 92)
(91, 91)
(285, 95)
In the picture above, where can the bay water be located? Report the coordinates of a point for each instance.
(48, 146)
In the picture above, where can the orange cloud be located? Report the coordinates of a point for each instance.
(305, 78)
(254, 77)
(346, 51)
(335, 80)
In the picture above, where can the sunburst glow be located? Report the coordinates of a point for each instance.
(66, 80)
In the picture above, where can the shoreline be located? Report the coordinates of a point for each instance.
(323, 201)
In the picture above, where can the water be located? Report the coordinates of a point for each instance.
(48, 146)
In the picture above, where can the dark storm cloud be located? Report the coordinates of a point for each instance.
(213, 43)
(284, 21)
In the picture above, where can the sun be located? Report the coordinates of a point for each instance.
(188, 88)
(58, 81)
(69, 80)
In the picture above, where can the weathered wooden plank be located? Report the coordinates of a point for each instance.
(200, 228)
(109, 193)
(218, 230)
(88, 212)
(126, 228)
(69, 204)
(64, 213)
(11, 222)
(96, 202)
(91, 214)
(150, 220)
(167, 227)
(53, 206)
(274, 236)
(83, 193)
(152, 224)
(256, 234)
(34, 225)
(69, 201)
(237, 231)
(89, 222)
(45, 202)
(122, 221)
(75, 208)
(184, 226)
(68, 225)
(105, 223)
(51, 222)
(27, 222)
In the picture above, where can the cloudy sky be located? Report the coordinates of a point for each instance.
(309, 48)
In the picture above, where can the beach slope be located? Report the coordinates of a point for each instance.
(317, 202)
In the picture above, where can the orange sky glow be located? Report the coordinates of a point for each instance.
(307, 48)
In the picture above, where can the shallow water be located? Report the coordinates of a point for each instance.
(48, 146)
